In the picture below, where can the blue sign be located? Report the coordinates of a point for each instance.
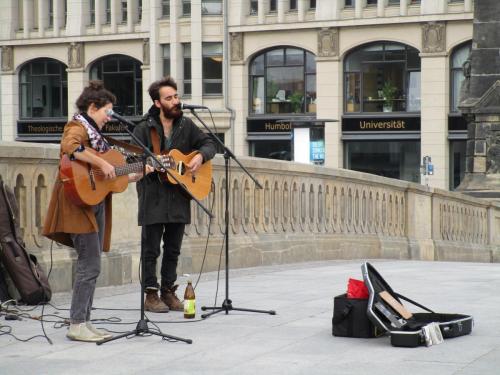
(317, 151)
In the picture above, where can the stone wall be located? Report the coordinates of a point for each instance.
(303, 213)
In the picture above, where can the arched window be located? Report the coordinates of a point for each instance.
(459, 55)
(283, 80)
(43, 89)
(122, 76)
(382, 77)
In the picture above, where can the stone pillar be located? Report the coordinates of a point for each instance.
(77, 76)
(261, 11)
(238, 93)
(301, 10)
(359, 5)
(419, 225)
(403, 7)
(9, 22)
(381, 4)
(479, 102)
(282, 8)
(434, 102)
(28, 6)
(329, 93)
(10, 95)
(196, 53)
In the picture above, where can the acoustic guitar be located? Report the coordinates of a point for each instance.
(197, 184)
(85, 185)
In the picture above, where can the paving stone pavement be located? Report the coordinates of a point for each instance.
(297, 340)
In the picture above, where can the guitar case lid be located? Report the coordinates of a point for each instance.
(406, 330)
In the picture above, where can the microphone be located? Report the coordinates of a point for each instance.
(120, 118)
(192, 106)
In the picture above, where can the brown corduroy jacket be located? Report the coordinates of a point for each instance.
(63, 217)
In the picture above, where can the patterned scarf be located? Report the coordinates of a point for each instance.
(97, 141)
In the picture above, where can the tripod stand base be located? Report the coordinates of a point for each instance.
(141, 329)
(227, 306)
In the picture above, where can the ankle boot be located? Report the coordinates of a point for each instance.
(169, 297)
(153, 303)
(97, 331)
(80, 332)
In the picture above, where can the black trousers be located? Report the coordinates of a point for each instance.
(151, 238)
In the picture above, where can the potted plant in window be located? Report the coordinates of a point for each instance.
(388, 94)
(296, 101)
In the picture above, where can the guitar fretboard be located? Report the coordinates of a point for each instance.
(128, 168)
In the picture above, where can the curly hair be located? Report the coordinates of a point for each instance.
(154, 88)
(96, 94)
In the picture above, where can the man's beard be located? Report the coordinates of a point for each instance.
(171, 113)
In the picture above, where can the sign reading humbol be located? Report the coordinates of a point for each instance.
(381, 124)
(268, 126)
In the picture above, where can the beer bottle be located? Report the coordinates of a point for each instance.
(189, 301)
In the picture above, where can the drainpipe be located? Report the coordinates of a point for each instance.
(225, 77)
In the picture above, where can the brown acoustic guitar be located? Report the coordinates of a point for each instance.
(197, 184)
(85, 185)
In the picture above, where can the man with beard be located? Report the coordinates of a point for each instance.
(164, 208)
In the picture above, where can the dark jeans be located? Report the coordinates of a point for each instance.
(152, 235)
(88, 267)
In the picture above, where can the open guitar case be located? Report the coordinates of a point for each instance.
(419, 329)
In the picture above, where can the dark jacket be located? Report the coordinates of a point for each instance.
(159, 200)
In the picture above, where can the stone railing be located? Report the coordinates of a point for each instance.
(303, 213)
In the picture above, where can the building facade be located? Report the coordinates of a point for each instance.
(368, 85)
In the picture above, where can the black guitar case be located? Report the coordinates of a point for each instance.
(23, 268)
(405, 330)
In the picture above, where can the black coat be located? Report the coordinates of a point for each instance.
(159, 200)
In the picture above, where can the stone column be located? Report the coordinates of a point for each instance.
(10, 95)
(434, 101)
(480, 103)
(196, 53)
(9, 19)
(329, 93)
(77, 76)
(403, 7)
(359, 5)
(27, 18)
(381, 4)
(262, 10)
(238, 92)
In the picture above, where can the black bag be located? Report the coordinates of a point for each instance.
(23, 268)
(409, 331)
(350, 319)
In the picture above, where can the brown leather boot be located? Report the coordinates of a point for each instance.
(169, 297)
(153, 303)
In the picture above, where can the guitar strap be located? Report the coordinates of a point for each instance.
(125, 145)
(155, 140)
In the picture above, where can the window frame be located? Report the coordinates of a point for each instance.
(212, 80)
(453, 69)
(205, 11)
(62, 81)
(307, 75)
(405, 74)
(99, 70)
(186, 63)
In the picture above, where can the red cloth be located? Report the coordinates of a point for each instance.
(357, 289)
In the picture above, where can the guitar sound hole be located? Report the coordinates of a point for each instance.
(181, 168)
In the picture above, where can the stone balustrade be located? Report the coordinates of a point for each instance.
(302, 213)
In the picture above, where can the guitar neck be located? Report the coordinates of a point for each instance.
(128, 168)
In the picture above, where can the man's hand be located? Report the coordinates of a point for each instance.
(107, 169)
(195, 163)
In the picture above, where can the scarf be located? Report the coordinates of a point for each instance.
(97, 141)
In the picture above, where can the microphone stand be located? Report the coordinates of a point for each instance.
(142, 325)
(227, 304)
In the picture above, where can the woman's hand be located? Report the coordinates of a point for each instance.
(107, 169)
(134, 177)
